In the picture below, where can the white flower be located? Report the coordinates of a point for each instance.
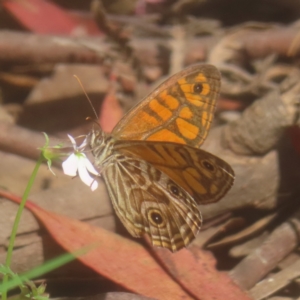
(78, 162)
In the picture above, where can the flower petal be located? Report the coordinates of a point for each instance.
(78, 162)
(70, 165)
(83, 144)
(83, 172)
(73, 142)
(90, 167)
(94, 185)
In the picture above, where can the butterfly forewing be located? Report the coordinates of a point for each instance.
(154, 204)
(180, 110)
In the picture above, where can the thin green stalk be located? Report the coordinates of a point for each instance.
(17, 220)
(46, 267)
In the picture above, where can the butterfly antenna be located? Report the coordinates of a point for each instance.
(88, 98)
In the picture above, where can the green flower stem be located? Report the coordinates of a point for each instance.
(17, 220)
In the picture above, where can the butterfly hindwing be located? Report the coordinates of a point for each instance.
(206, 177)
(154, 204)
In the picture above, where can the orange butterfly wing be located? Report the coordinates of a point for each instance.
(206, 177)
(180, 110)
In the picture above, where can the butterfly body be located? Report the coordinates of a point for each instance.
(152, 169)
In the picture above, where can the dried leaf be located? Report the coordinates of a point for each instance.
(38, 16)
(123, 261)
(196, 266)
(111, 111)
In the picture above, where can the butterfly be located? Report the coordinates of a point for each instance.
(151, 163)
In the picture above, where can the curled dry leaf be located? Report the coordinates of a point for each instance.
(256, 40)
(263, 259)
(38, 16)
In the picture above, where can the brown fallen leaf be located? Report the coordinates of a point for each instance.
(251, 230)
(195, 270)
(111, 111)
(130, 265)
(276, 282)
(125, 262)
(282, 241)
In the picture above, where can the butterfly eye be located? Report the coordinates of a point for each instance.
(155, 217)
(198, 87)
(174, 189)
(207, 165)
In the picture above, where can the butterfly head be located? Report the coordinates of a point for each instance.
(101, 145)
